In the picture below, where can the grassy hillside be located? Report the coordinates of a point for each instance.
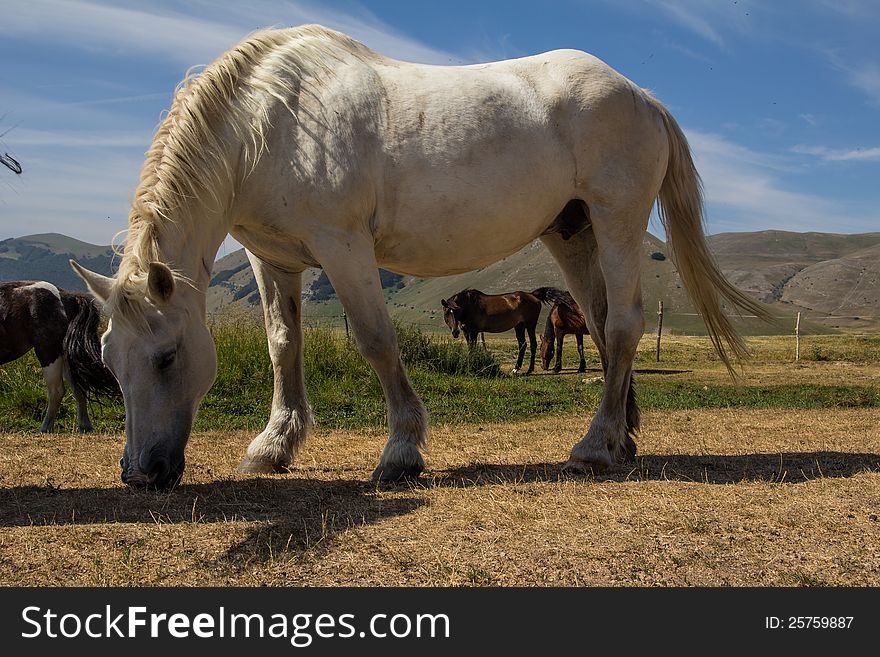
(818, 273)
(45, 257)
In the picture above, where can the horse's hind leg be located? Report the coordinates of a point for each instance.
(290, 419)
(520, 330)
(356, 280)
(606, 284)
(53, 375)
(582, 367)
(83, 423)
(533, 345)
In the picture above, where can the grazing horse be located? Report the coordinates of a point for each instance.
(62, 329)
(471, 312)
(311, 149)
(564, 318)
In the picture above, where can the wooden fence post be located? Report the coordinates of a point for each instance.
(659, 328)
(797, 337)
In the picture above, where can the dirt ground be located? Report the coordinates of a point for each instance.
(730, 497)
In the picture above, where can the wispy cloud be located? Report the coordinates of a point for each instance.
(867, 78)
(745, 190)
(118, 100)
(172, 30)
(73, 139)
(839, 155)
(86, 197)
(864, 76)
(809, 118)
(99, 27)
(710, 20)
(690, 18)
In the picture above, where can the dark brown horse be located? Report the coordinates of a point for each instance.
(565, 318)
(472, 312)
(62, 329)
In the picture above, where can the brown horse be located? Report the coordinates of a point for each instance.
(565, 318)
(472, 312)
(62, 329)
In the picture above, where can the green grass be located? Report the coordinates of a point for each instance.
(458, 385)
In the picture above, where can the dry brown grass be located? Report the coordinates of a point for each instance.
(716, 498)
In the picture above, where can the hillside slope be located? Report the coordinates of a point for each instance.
(825, 276)
(45, 257)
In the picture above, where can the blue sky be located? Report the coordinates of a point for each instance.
(780, 100)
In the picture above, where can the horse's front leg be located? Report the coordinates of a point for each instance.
(290, 419)
(582, 367)
(53, 376)
(471, 338)
(354, 275)
(533, 345)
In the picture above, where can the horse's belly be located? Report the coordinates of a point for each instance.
(454, 247)
(438, 221)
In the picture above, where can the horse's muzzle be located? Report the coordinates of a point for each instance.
(455, 333)
(159, 474)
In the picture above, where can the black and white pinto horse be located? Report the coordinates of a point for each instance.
(62, 329)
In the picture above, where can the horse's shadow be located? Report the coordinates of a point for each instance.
(292, 516)
(790, 467)
(288, 516)
(598, 370)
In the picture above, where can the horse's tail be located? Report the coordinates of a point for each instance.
(82, 347)
(550, 295)
(681, 211)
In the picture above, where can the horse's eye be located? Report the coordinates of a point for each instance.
(164, 360)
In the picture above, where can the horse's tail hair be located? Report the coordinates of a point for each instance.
(82, 347)
(681, 211)
(550, 295)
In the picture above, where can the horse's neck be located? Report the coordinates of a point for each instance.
(191, 251)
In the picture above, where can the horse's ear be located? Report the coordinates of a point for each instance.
(160, 282)
(444, 303)
(98, 284)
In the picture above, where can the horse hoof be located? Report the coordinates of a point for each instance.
(579, 467)
(392, 474)
(258, 465)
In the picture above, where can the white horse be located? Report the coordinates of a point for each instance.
(313, 150)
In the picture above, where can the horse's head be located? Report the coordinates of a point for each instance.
(547, 350)
(162, 354)
(452, 315)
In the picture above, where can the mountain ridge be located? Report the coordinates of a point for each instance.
(832, 278)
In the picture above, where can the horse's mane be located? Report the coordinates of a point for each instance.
(468, 294)
(191, 156)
